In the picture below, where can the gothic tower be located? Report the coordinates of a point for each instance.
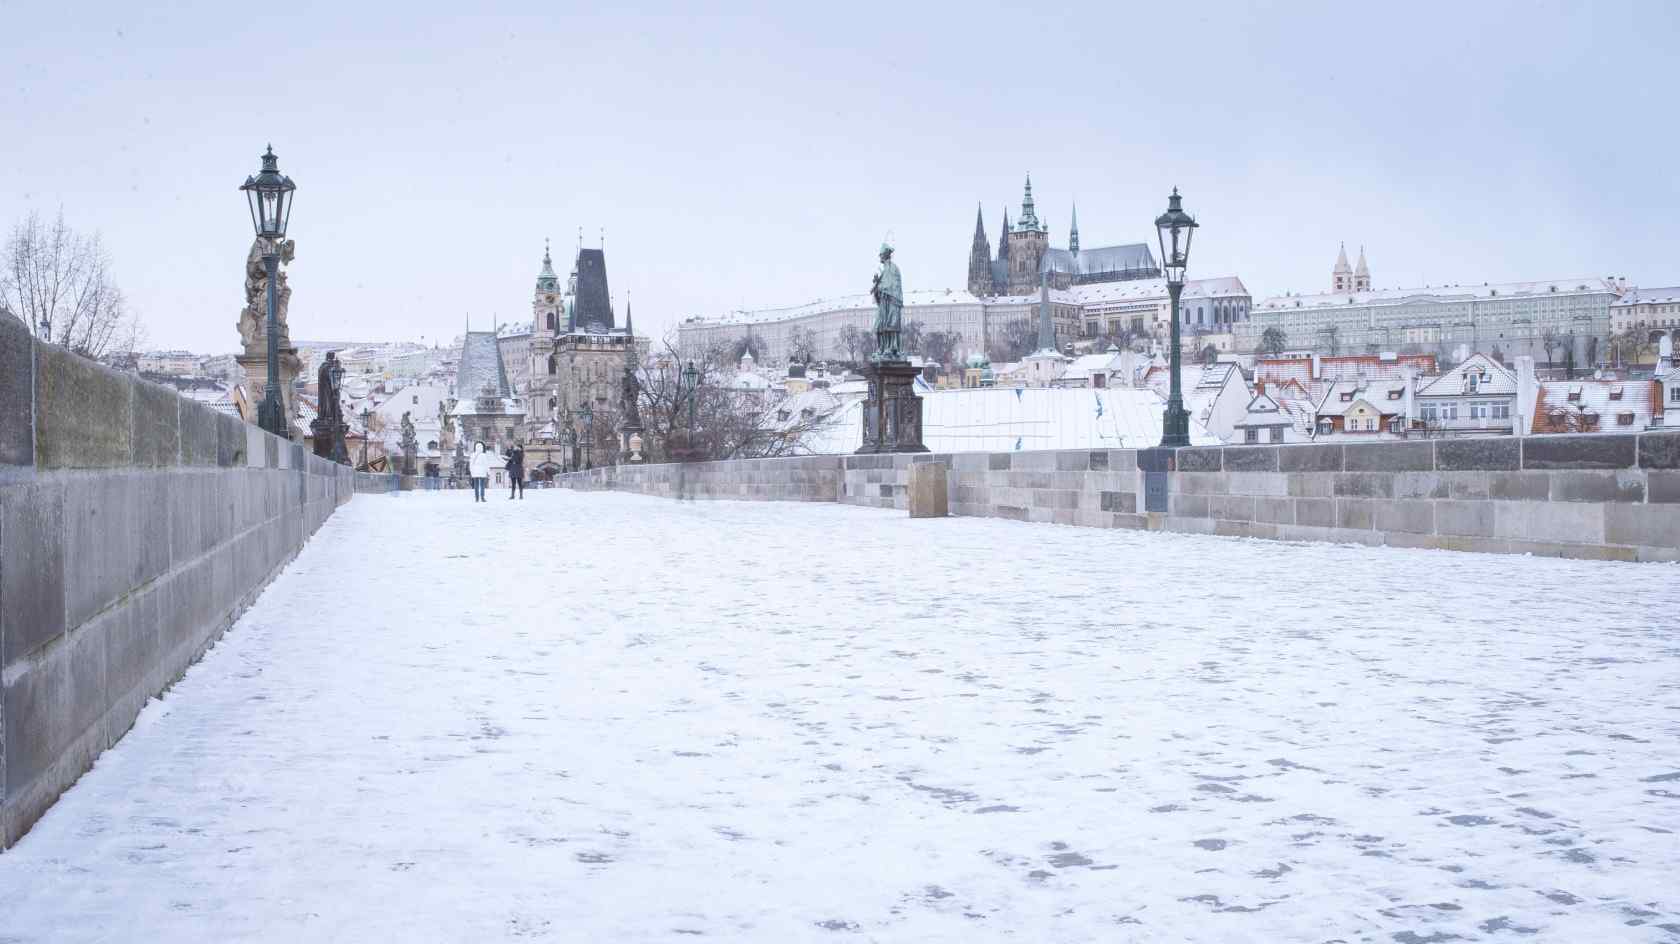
(1341, 277)
(1362, 274)
(545, 300)
(1073, 236)
(547, 323)
(980, 259)
(1027, 244)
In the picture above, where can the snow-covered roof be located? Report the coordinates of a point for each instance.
(912, 299)
(1395, 296)
(1605, 406)
(1492, 379)
(1649, 296)
(1386, 396)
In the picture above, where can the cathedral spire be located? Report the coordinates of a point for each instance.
(1073, 237)
(1341, 277)
(1362, 274)
(1029, 219)
(1003, 240)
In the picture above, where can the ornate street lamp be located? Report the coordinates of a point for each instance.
(270, 196)
(367, 434)
(588, 414)
(690, 382)
(1175, 228)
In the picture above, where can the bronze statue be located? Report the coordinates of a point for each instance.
(888, 292)
(329, 427)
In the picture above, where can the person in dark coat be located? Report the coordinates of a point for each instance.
(516, 471)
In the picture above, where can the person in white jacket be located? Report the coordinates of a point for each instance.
(478, 466)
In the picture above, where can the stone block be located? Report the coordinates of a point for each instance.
(271, 452)
(1357, 514)
(970, 461)
(1478, 454)
(1120, 502)
(157, 425)
(1622, 485)
(1315, 512)
(1656, 450)
(1363, 485)
(199, 431)
(1132, 522)
(1098, 460)
(1275, 484)
(1200, 483)
(1232, 507)
(1580, 451)
(1156, 459)
(17, 394)
(1467, 485)
(1416, 517)
(1012, 512)
(998, 461)
(1073, 461)
(1574, 522)
(1574, 551)
(84, 412)
(1662, 486)
(1642, 525)
(1519, 486)
(1419, 485)
(31, 568)
(1188, 506)
(35, 702)
(116, 539)
(1251, 459)
(1042, 461)
(1245, 529)
(1274, 510)
(1314, 457)
(232, 441)
(1189, 525)
(1312, 484)
(1389, 457)
(1198, 459)
(1473, 518)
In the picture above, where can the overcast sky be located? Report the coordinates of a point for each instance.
(757, 158)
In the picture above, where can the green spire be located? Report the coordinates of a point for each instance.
(1029, 219)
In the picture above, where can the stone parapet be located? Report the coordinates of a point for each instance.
(135, 525)
(1614, 497)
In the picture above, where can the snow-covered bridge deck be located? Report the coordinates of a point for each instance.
(597, 716)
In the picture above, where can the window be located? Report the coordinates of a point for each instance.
(1502, 411)
(1674, 394)
(1615, 393)
(416, 398)
(1430, 414)
(1473, 381)
(1277, 434)
(1478, 411)
(1394, 394)
(1449, 411)
(1396, 424)
(1347, 397)
(1624, 419)
(1251, 435)
(1575, 394)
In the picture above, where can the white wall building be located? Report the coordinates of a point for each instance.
(1478, 397)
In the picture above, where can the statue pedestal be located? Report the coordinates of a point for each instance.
(256, 381)
(892, 415)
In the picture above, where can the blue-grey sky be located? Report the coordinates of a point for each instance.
(755, 156)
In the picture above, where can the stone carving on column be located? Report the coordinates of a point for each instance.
(253, 330)
(410, 444)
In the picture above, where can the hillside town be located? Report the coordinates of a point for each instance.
(1045, 348)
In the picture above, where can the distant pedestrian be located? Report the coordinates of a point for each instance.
(478, 466)
(516, 471)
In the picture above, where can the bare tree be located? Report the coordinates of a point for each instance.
(940, 346)
(910, 338)
(1550, 340)
(59, 282)
(715, 421)
(1210, 355)
(852, 343)
(802, 346)
(1014, 340)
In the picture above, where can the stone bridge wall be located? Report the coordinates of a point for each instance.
(135, 525)
(1590, 496)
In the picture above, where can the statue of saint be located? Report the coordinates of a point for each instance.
(888, 292)
(253, 320)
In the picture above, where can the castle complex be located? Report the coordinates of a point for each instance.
(1025, 257)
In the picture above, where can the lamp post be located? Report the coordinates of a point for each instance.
(270, 195)
(691, 382)
(367, 434)
(1175, 227)
(588, 414)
